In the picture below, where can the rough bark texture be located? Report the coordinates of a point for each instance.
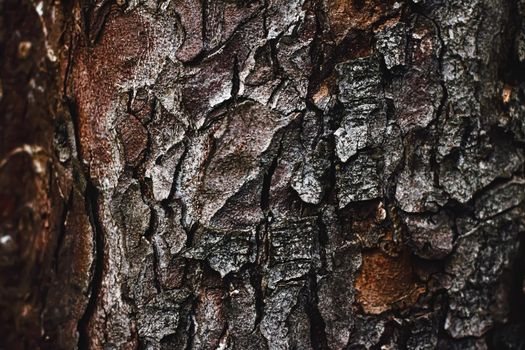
(262, 174)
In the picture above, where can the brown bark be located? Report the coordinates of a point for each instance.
(277, 174)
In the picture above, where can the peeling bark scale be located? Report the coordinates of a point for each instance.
(262, 174)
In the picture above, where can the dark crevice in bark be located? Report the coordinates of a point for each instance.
(317, 325)
(191, 326)
(276, 90)
(300, 127)
(390, 185)
(62, 231)
(317, 57)
(440, 110)
(69, 67)
(92, 197)
(502, 334)
(173, 190)
(511, 70)
(517, 295)
(138, 170)
(172, 196)
(236, 82)
(100, 19)
(256, 273)
(500, 136)
(85, 14)
(204, 27)
(152, 224)
(265, 17)
(454, 212)
(267, 183)
(494, 184)
(212, 142)
(94, 16)
(72, 108)
(190, 235)
(277, 69)
(129, 102)
(156, 272)
(418, 8)
(330, 176)
(256, 277)
(261, 238)
(152, 228)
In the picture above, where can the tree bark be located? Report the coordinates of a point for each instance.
(262, 174)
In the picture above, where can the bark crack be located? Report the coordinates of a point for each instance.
(91, 195)
(318, 336)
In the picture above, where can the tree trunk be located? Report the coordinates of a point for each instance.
(262, 174)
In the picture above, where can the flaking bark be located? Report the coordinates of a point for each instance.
(277, 174)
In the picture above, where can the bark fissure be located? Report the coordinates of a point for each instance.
(262, 174)
(84, 333)
(317, 325)
(91, 196)
(62, 231)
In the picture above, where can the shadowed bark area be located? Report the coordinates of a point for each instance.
(262, 174)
